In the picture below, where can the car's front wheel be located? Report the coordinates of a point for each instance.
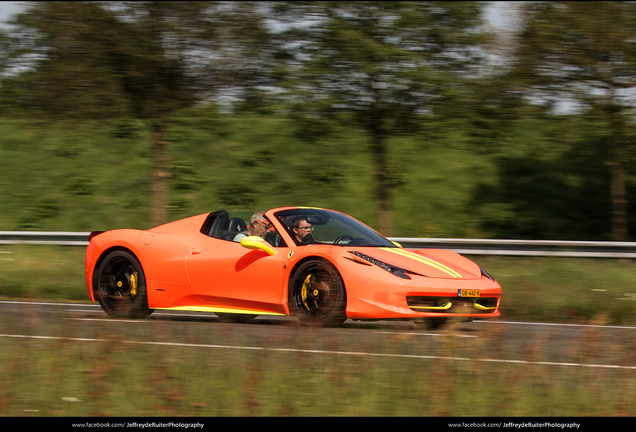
(121, 286)
(317, 294)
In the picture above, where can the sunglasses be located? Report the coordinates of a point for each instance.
(267, 224)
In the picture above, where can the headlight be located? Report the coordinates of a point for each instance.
(394, 270)
(485, 273)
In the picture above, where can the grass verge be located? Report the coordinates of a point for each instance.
(534, 289)
(109, 377)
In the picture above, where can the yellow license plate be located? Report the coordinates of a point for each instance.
(467, 293)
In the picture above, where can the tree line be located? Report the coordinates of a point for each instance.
(388, 68)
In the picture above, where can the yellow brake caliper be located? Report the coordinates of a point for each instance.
(309, 281)
(133, 284)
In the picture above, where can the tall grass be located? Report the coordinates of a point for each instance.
(565, 289)
(66, 377)
(110, 377)
(42, 272)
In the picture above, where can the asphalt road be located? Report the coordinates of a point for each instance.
(497, 341)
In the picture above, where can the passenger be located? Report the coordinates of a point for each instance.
(258, 227)
(302, 230)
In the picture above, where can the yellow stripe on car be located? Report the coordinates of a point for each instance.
(428, 261)
(442, 307)
(480, 307)
(219, 309)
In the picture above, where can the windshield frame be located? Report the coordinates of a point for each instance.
(367, 236)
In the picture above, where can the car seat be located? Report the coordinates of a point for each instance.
(235, 226)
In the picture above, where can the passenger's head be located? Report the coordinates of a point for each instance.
(258, 224)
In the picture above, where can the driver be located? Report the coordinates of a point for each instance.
(302, 230)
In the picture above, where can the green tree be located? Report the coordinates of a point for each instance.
(69, 55)
(584, 52)
(382, 66)
(5, 44)
(142, 59)
(4, 41)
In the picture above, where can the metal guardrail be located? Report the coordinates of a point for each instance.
(545, 248)
(44, 238)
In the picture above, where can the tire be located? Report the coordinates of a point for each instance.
(317, 295)
(120, 286)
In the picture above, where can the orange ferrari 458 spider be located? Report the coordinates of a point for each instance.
(319, 265)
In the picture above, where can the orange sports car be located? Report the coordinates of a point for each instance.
(319, 265)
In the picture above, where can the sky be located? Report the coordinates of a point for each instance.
(8, 8)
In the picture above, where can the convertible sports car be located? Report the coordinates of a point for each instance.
(319, 265)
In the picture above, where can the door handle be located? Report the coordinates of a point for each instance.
(195, 251)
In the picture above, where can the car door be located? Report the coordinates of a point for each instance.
(226, 274)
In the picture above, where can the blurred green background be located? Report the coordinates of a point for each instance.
(420, 119)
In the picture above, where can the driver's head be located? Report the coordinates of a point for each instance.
(302, 229)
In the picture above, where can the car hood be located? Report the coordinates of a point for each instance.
(437, 263)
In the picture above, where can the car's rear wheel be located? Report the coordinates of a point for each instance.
(121, 286)
(317, 294)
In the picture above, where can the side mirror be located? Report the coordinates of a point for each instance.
(255, 242)
(397, 244)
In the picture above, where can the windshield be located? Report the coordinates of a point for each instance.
(307, 226)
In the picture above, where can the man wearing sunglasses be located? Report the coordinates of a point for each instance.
(258, 227)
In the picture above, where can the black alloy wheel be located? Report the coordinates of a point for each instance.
(120, 286)
(317, 294)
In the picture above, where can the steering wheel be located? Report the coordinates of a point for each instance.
(342, 237)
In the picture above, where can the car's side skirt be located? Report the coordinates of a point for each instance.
(220, 309)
